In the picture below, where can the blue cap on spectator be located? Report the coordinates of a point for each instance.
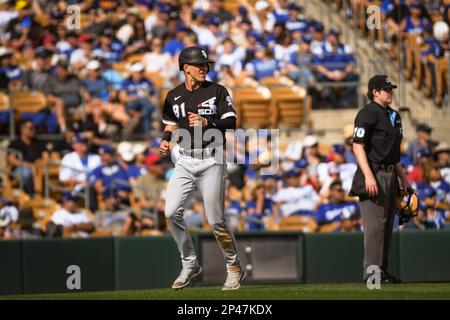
(307, 38)
(424, 153)
(180, 27)
(302, 163)
(243, 10)
(164, 8)
(253, 33)
(42, 52)
(270, 176)
(106, 148)
(405, 160)
(294, 172)
(79, 138)
(198, 12)
(213, 21)
(415, 4)
(148, 3)
(318, 27)
(294, 6)
(68, 196)
(423, 127)
(334, 32)
(338, 148)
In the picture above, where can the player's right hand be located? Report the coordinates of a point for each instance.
(164, 149)
(371, 185)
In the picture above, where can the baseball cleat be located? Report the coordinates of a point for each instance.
(234, 280)
(185, 277)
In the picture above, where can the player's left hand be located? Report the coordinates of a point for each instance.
(196, 120)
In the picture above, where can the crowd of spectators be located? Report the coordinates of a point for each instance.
(120, 187)
(427, 20)
(307, 183)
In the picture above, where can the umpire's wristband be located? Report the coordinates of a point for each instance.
(167, 136)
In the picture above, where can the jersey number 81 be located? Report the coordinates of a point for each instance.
(176, 110)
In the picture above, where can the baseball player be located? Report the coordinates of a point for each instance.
(196, 105)
(376, 144)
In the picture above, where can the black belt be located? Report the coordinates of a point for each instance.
(386, 167)
(198, 153)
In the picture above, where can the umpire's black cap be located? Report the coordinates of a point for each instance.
(193, 55)
(381, 82)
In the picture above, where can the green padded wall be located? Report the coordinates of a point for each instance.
(10, 267)
(144, 263)
(45, 264)
(425, 255)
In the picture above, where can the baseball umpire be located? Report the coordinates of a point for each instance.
(198, 103)
(376, 143)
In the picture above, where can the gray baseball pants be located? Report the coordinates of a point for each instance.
(378, 218)
(209, 177)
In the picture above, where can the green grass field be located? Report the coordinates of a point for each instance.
(267, 292)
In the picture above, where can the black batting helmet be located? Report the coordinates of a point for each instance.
(193, 55)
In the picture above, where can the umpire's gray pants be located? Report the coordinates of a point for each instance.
(378, 217)
(209, 177)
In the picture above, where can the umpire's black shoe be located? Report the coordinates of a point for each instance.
(390, 278)
(387, 279)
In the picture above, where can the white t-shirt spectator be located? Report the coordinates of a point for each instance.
(346, 171)
(8, 215)
(234, 60)
(295, 199)
(78, 55)
(5, 18)
(156, 62)
(205, 37)
(73, 168)
(283, 54)
(67, 219)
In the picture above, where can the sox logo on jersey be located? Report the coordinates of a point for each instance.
(208, 107)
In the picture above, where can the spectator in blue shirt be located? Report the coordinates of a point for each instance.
(334, 62)
(175, 45)
(430, 216)
(258, 207)
(294, 22)
(264, 65)
(136, 94)
(338, 215)
(110, 178)
(109, 49)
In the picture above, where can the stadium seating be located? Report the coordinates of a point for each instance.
(298, 223)
(253, 106)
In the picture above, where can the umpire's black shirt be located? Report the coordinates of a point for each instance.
(210, 100)
(380, 130)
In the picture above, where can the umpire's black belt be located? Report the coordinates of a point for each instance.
(385, 167)
(198, 153)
